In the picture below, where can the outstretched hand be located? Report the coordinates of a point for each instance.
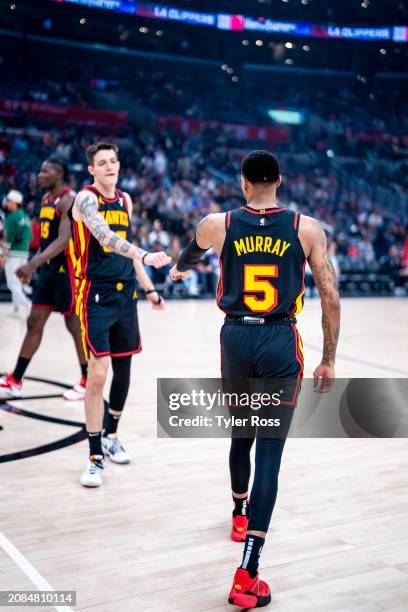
(176, 275)
(157, 260)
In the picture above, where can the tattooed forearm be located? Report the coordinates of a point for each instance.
(331, 332)
(325, 279)
(323, 272)
(88, 208)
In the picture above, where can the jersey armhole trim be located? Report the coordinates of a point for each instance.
(296, 223)
(227, 220)
(122, 195)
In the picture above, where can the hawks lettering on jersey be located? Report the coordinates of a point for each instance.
(50, 217)
(96, 262)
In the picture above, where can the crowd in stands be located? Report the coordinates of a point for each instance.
(176, 179)
(347, 120)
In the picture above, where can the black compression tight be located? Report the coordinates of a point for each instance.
(240, 464)
(268, 453)
(120, 382)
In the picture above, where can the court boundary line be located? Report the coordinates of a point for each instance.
(29, 570)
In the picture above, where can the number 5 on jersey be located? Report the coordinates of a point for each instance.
(256, 281)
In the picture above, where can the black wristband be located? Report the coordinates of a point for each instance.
(150, 291)
(145, 255)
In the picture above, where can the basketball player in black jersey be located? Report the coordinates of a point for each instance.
(263, 249)
(106, 299)
(53, 290)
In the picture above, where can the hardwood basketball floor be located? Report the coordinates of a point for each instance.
(155, 536)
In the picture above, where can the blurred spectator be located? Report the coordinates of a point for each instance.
(17, 230)
(392, 265)
(159, 236)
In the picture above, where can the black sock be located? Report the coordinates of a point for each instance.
(240, 506)
(84, 369)
(21, 366)
(252, 552)
(95, 443)
(111, 423)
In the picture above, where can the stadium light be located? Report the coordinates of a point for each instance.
(383, 51)
(306, 48)
(224, 67)
(289, 61)
(287, 116)
(289, 45)
(245, 43)
(230, 70)
(12, 7)
(259, 43)
(159, 33)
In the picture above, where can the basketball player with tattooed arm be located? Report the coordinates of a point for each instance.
(263, 248)
(106, 299)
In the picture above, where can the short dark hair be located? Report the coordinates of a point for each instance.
(93, 149)
(260, 167)
(57, 161)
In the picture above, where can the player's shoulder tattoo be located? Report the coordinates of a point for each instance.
(86, 201)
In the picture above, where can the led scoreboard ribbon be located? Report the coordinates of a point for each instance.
(240, 23)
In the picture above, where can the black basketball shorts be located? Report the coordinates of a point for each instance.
(108, 315)
(54, 289)
(267, 358)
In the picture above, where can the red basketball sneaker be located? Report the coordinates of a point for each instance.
(248, 592)
(10, 387)
(239, 528)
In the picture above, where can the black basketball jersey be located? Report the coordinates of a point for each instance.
(50, 218)
(262, 263)
(96, 262)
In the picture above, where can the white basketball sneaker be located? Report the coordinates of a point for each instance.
(114, 449)
(92, 475)
(77, 392)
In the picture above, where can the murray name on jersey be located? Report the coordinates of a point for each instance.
(261, 244)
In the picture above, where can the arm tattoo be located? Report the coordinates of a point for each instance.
(98, 227)
(330, 338)
(325, 279)
(324, 274)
